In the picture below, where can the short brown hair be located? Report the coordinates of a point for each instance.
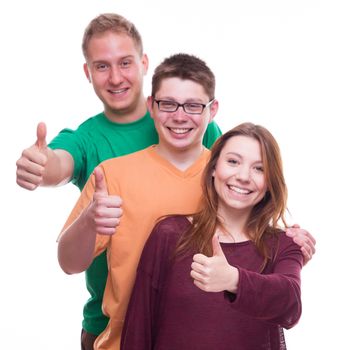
(114, 23)
(185, 66)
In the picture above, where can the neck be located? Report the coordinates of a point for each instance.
(126, 115)
(234, 225)
(180, 158)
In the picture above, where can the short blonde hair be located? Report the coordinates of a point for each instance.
(114, 23)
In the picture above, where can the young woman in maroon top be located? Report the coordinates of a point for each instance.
(227, 277)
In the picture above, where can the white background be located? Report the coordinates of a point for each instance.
(282, 64)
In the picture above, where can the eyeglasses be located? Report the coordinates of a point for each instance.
(188, 107)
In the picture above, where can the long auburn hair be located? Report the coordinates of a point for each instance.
(265, 216)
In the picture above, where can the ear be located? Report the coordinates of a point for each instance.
(87, 72)
(144, 61)
(214, 109)
(213, 173)
(150, 105)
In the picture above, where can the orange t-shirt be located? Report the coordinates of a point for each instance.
(150, 187)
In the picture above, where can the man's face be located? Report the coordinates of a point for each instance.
(116, 70)
(179, 130)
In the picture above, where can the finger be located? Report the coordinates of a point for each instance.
(109, 213)
(198, 277)
(108, 231)
(200, 259)
(306, 255)
(304, 241)
(31, 163)
(28, 177)
(297, 231)
(198, 267)
(107, 222)
(26, 185)
(307, 244)
(41, 135)
(217, 250)
(310, 236)
(100, 184)
(201, 286)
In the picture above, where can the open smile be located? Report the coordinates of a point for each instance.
(239, 190)
(117, 92)
(179, 131)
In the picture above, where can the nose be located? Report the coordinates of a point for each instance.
(243, 174)
(115, 76)
(180, 115)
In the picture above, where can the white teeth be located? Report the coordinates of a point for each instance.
(117, 91)
(179, 131)
(239, 190)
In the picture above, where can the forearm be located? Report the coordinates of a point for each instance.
(274, 298)
(58, 169)
(76, 245)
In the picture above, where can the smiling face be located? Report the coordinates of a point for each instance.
(239, 175)
(116, 70)
(179, 131)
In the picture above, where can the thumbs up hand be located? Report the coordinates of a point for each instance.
(31, 164)
(214, 274)
(104, 211)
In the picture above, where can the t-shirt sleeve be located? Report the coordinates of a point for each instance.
(70, 141)
(212, 133)
(274, 297)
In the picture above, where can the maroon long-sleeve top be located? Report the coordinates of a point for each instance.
(168, 312)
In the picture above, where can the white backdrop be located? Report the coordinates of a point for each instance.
(282, 64)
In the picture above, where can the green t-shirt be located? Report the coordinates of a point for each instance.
(96, 140)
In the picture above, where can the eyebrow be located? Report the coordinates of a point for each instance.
(107, 61)
(240, 156)
(190, 100)
(233, 153)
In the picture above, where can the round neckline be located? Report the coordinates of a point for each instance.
(236, 243)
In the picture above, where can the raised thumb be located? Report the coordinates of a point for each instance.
(41, 135)
(100, 183)
(217, 250)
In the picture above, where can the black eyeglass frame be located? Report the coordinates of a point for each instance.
(183, 105)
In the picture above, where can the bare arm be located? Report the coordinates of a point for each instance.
(76, 244)
(41, 166)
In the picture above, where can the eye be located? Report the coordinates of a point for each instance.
(232, 161)
(101, 67)
(125, 64)
(259, 169)
(167, 105)
(193, 107)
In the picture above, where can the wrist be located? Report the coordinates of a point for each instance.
(233, 280)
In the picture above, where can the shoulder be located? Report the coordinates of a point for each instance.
(285, 247)
(169, 229)
(133, 158)
(86, 126)
(212, 133)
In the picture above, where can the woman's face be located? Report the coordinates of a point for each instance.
(239, 178)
